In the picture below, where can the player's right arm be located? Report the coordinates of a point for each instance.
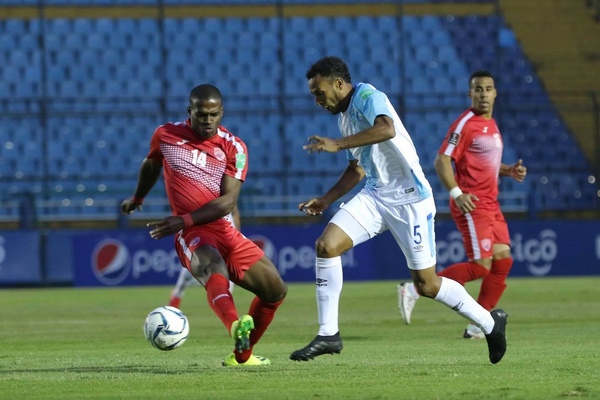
(353, 174)
(149, 174)
(445, 172)
(147, 177)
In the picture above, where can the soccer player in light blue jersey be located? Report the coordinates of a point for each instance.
(396, 197)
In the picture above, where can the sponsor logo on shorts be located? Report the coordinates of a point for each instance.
(194, 241)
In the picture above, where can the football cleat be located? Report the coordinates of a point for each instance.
(319, 346)
(406, 300)
(496, 340)
(230, 361)
(473, 332)
(240, 332)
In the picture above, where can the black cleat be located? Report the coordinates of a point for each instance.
(319, 346)
(496, 340)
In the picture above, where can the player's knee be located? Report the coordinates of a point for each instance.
(326, 249)
(276, 293)
(428, 287)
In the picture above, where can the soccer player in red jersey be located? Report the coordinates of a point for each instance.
(204, 167)
(474, 144)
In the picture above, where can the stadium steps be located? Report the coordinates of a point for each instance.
(562, 42)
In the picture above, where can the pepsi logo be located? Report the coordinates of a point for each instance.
(265, 245)
(110, 262)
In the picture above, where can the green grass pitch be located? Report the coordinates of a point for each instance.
(71, 343)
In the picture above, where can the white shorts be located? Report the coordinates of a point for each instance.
(365, 217)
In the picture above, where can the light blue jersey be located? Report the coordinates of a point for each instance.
(393, 172)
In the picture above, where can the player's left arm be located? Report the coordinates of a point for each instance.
(517, 171)
(382, 130)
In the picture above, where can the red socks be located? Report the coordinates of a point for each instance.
(263, 314)
(464, 272)
(220, 299)
(494, 284)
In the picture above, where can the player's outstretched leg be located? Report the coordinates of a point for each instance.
(496, 339)
(184, 280)
(407, 298)
(320, 345)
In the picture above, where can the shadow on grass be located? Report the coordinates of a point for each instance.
(134, 369)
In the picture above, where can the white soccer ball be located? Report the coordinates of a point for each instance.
(166, 328)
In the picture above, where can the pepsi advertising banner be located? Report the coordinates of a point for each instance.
(132, 257)
(124, 257)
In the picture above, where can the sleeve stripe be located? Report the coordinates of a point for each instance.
(450, 149)
(240, 149)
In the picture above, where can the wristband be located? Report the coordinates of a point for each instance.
(455, 192)
(187, 220)
(137, 200)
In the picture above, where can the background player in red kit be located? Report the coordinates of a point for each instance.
(204, 167)
(475, 145)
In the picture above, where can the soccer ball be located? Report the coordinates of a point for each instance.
(166, 328)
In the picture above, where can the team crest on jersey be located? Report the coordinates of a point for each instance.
(453, 139)
(219, 154)
(486, 244)
(240, 161)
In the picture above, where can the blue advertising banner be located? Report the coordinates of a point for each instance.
(124, 257)
(541, 248)
(20, 257)
(131, 257)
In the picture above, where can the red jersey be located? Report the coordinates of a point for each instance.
(194, 167)
(475, 145)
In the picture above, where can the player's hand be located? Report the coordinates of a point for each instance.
(128, 206)
(314, 206)
(319, 144)
(166, 227)
(518, 171)
(466, 202)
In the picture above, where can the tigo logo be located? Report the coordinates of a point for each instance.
(110, 262)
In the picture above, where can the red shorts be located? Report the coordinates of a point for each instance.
(481, 229)
(239, 252)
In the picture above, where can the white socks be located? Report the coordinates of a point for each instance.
(455, 296)
(330, 280)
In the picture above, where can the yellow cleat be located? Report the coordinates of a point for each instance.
(240, 332)
(230, 361)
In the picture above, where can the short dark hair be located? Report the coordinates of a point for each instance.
(205, 92)
(330, 68)
(480, 74)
